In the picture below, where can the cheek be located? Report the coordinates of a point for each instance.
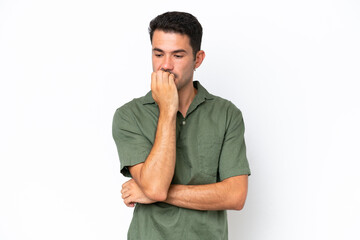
(155, 64)
(154, 68)
(188, 69)
(185, 67)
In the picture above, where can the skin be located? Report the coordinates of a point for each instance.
(173, 91)
(172, 52)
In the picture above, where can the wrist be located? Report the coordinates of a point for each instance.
(168, 113)
(172, 193)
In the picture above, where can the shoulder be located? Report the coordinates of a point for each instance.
(225, 106)
(129, 109)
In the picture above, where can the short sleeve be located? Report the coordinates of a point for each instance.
(233, 160)
(133, 147)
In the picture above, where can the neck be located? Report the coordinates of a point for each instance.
(186, 96)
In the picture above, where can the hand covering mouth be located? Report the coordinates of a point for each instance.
(168, 72)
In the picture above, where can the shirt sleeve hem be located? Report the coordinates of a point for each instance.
(124, 169)
(234, 172)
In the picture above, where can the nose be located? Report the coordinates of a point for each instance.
(167, 64)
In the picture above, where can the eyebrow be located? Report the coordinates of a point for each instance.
(176, 51)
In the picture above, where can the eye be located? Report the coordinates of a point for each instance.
(158, 55)
(178, 56)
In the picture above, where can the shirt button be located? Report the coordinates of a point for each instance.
(183, 122)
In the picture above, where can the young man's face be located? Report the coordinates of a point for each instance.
(172, 52)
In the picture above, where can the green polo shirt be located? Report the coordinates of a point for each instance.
(210, 147)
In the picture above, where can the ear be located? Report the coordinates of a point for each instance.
(200, 55)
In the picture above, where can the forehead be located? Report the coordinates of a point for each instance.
(169, 41)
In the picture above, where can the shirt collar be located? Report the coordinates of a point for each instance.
(201, 95)
(148, 99)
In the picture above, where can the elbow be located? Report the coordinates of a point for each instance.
(158, 197)
(239, 206)
(239, 202)
(156, 194)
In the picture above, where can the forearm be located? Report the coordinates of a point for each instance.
(158, 169)
(155, 174)
(225, 195)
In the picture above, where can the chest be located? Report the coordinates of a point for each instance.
(199, 138)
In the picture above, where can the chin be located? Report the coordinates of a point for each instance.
(178, 86)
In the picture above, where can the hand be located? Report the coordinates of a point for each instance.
(164, 91)
(131, 193)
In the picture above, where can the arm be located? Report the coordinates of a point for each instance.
(155, 174)
(230, 194)
(231, 191)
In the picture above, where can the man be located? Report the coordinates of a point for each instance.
(183, 147)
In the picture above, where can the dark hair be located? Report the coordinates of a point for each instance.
(179, 22)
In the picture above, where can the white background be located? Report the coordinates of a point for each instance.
(292, 67)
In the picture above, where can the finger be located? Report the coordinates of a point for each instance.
(159, 76)
(153, 80)
(124, 190)
(130, 205)
(125, 184)
(125, 195)
(165, 77)
(128, 202)
(171, 78)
